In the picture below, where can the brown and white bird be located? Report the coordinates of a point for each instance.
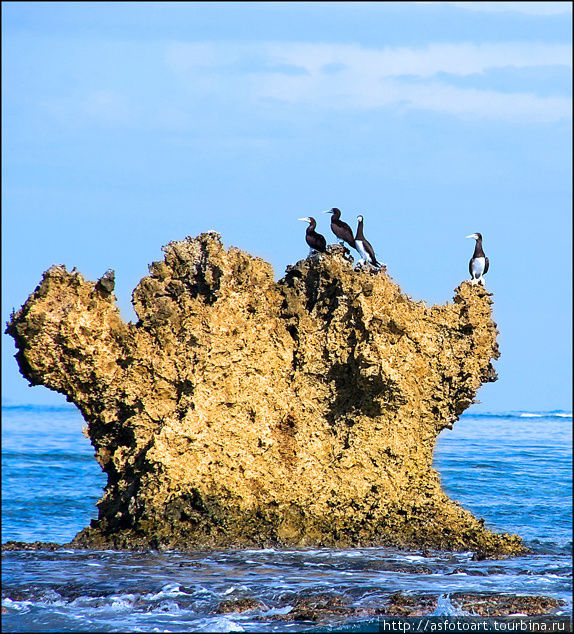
(364, 247)
(478, 264)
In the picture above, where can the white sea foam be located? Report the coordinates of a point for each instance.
(123, 603)
(19, 606)
(259, 552)
(218, 624)
(445, 607)
(232, 589)
(167, 591)
(521, 614)
(171, 607)
(87, 602)
(278, 611)
(545, 415)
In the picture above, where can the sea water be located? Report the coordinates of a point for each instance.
(513, 469)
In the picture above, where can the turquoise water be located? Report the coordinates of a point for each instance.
(513, 469)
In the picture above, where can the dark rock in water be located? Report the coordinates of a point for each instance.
(485, 604)
(16, 545)
(408, 605)
(318, 607)
(240, 411)
(477, 603)
(239, 605)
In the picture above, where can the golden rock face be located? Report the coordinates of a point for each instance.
(243, 411)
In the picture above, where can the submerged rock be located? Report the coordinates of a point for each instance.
(490, 604)
(17, 546)
(240, 411)
(246, 604)
(323, 608)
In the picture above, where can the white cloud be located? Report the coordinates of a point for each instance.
(363, 92)
(107, 105)
(345, 76)
(458, 59)
(528, 8)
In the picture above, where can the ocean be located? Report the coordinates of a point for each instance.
(513, 469)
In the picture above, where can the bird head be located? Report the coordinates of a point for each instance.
(305, 219)
(334, 210)
(360, 218)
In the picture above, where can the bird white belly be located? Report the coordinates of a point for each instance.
(362, 251)
(478, 265)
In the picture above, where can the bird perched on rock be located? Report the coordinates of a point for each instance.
(364, 247)
(341, 229)
(315, 240)
(478, 264)
(107, 282)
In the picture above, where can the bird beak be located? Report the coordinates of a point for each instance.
(472, 235)
(303, 219)
(328, 211)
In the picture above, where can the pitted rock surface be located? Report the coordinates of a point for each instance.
(240, 411)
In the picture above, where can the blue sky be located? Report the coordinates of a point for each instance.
(128, 125)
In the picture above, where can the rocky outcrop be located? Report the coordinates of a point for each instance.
(243, 411)
(323, 608)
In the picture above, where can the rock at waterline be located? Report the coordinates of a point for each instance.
(240, 411)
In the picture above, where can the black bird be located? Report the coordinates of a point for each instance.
(478, 264)
(315, 240)
(364, 247)
(341, 229)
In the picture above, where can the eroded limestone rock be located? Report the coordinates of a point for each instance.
(243, 411)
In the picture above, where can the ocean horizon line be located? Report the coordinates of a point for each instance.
(557, 413)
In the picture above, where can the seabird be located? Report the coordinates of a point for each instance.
(478, 264)
(364, 247)
(341, 229)
(315, 240)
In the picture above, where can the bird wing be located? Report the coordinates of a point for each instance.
(370, 251)
(316, 240)
(346, 233)
(470, 267)
(485, 265)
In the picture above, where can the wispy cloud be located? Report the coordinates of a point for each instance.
(347, 76)
(107, 105)
(461, 59)
(527, 8)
